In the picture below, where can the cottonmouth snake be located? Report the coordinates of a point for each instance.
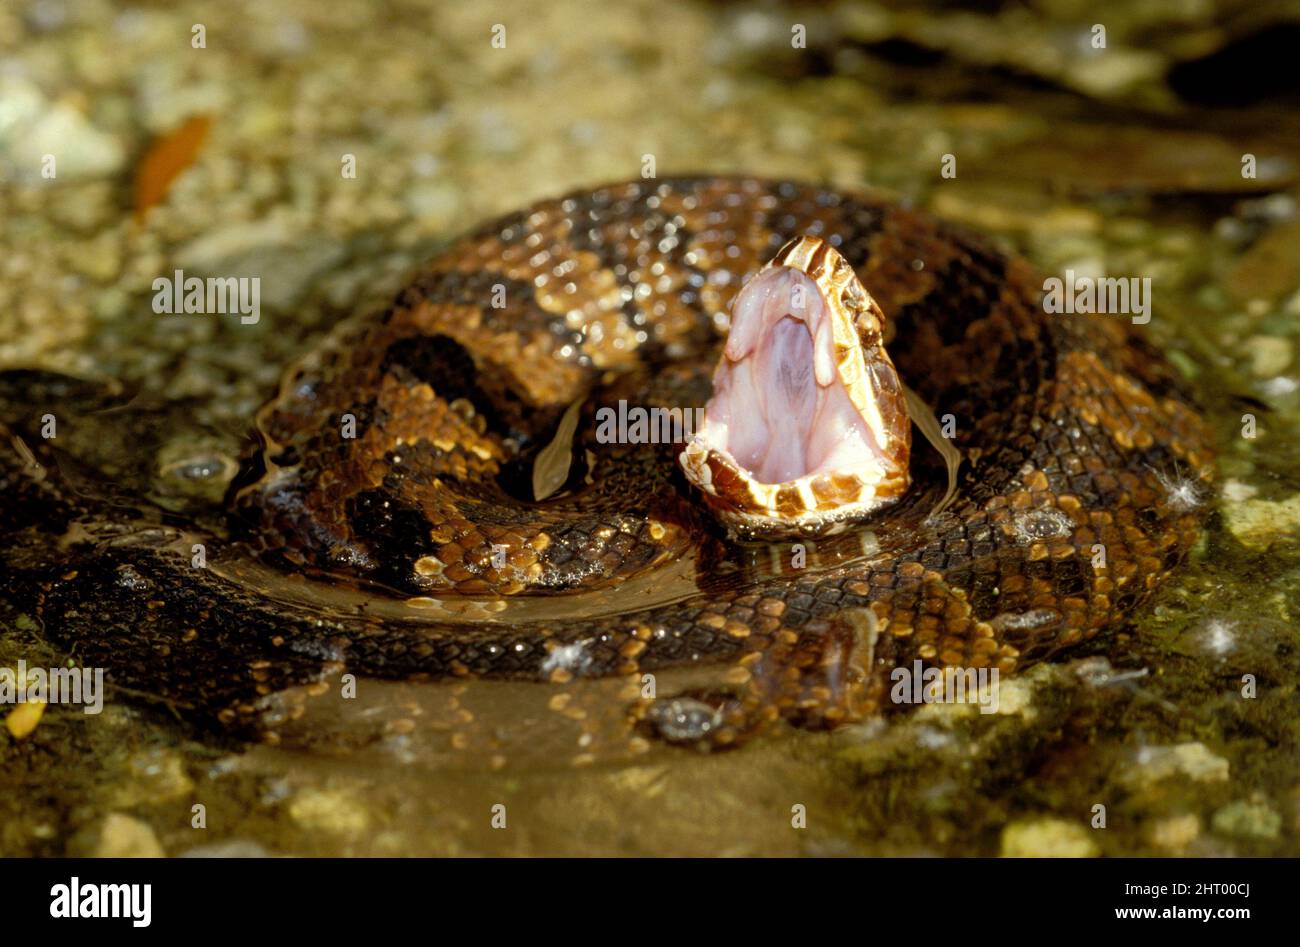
(414, 544)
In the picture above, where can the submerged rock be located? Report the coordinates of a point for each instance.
(1247, 819)
(1259, 524)
(32, 127)
(1048, 838)
(123, 836)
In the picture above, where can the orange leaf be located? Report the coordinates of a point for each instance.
(22, 720)
(166, 158)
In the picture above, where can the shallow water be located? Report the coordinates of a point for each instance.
(1125, 161)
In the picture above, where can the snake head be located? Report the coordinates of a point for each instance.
(807, 430)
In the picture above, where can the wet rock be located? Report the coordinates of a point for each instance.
(156, 775)
(123, 836)
(100, 258)
(329, 811)
(1258, 524)
(1001, 207)
(213, 250)
(1269, 354)
(1057, 52)
(286, 261)
(1048, 838)
(1270, 269)
(1247, 819)
(1117, 72)
(1192, 760)
(1237, 491)
(32, 126)
(1087, 160)
(1176, 832)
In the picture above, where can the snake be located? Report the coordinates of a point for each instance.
(658, 424)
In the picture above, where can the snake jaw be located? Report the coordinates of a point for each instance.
(807, 431)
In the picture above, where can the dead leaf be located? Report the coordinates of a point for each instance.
(22, 720)
(165, 160)
(551, 468)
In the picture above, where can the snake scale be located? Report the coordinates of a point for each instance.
(389, 523)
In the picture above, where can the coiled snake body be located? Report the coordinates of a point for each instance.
(392, 524)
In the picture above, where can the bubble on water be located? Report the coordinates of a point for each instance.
(683, 719)
(567, 657)
(1218, 637)
(1038, 525)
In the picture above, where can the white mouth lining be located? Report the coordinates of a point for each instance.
(786, 433)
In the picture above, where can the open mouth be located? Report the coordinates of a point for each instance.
(807, 430)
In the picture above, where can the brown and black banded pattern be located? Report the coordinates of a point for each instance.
(1071, 431)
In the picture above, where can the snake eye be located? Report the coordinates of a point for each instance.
(807, 430)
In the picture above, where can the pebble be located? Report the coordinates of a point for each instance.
(1176, 832)
(22, 721)
(286, 261)
(1258, 524)
(1117, 72)
(1269, 354)
(1247, 819)
(100, 258)
(1048, 838)
(123, 836)
(213, 250)
(1236, 491)
(329, 811)
(1194, 760)
(154, 775)
(32, 126)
